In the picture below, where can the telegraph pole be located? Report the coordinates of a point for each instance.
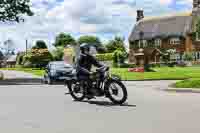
(26, 46)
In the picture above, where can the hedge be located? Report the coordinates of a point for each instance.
(105, 57)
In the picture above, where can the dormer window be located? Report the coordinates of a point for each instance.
(175, 41)
(158, 42)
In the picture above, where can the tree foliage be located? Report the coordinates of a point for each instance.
(12, 10)
(58, 53)
(116, 43)
(1, 56)
(64, 39)
(92, 40)
(40, 44)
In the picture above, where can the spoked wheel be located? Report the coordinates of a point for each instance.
(117, 92)
(77, 91)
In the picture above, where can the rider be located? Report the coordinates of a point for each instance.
(84, 65)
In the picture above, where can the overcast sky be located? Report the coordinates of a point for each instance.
(104, 18)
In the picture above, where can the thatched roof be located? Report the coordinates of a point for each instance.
(165, 26)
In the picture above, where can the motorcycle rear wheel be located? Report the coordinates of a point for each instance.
(74, 91)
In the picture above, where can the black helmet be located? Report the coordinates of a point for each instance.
(84, 47)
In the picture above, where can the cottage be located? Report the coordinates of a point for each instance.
(175, 31)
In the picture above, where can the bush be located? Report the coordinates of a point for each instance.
(20, 58)
(28, 64)
(58, 54)
(105, 57)
(37, 58)
(119, 56)
(155, 65)
(123, 65)
(188, 57)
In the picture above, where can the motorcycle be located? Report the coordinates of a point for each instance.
(102, 81)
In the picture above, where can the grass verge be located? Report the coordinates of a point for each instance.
(162, 73)
(189, 83)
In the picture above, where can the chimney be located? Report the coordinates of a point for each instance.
(140, 15)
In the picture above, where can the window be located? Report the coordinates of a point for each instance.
(175, 41)
(197, 36)
(158, 42)
(142, 43)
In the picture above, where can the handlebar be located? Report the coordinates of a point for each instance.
(102, 69)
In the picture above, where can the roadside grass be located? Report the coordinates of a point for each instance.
(189, 83)
(161, 73)
(173, 73)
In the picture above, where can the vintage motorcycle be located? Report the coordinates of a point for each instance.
(102, 81)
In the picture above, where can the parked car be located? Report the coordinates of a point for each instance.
(57, 71)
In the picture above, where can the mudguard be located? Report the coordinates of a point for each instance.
(115, 77)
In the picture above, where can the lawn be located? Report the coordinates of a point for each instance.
(161, 73)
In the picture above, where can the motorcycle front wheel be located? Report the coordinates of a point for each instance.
(117, 92)
(76, 91)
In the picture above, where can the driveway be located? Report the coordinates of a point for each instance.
(45, 109)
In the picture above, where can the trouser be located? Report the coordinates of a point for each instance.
(86, 82)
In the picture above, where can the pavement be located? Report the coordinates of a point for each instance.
(149, 109)
(19, 78)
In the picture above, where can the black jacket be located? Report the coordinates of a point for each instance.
(84, 64)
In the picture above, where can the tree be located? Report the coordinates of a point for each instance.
(1, 56)
(12, 10)
(64, 39)
(40, 44)
(92, 40)
(116, 43)
(58, 53)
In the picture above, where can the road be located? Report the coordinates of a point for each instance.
(45, 109)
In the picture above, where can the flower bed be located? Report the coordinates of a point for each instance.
(139, 69)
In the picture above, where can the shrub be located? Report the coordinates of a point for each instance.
(20, 58)
(58, 53)
(28, 64)
(188, 57)
(119, 57)
(105, 57)
(37, 58)
(125, 65)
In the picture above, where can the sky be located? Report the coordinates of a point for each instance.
(103, 18)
